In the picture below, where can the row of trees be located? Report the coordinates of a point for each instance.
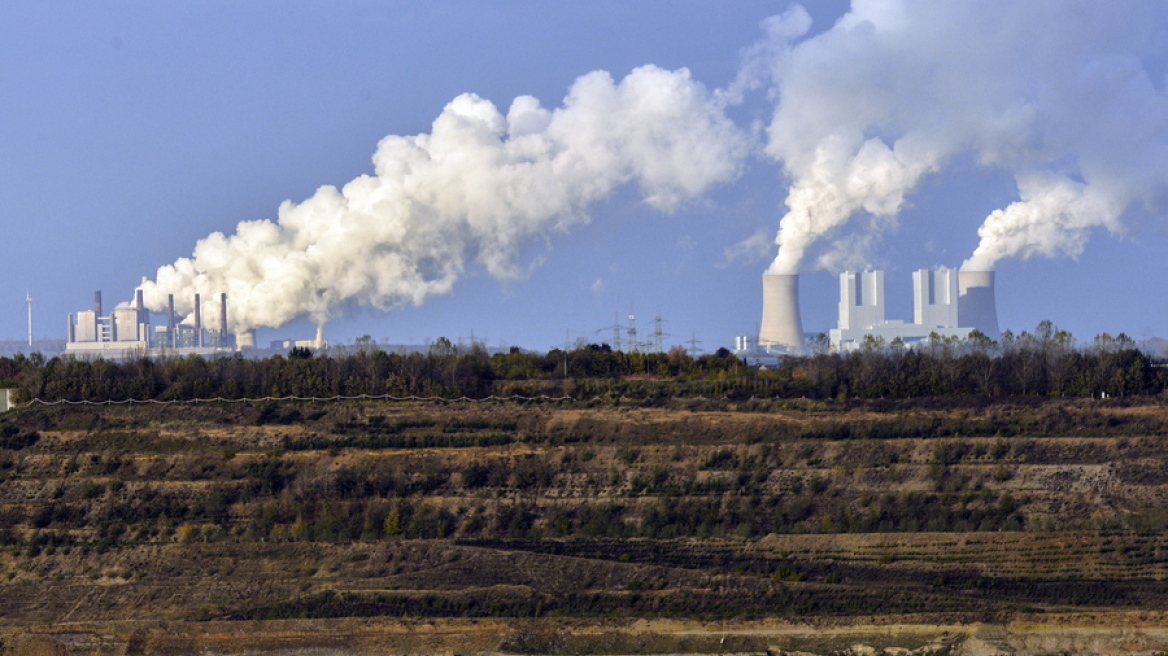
(255, 510)
(444, 371)
(1046, 362)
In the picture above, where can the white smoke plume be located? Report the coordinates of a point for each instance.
(479, 187)
(1068, 96)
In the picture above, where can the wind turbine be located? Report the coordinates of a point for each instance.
(28, 299)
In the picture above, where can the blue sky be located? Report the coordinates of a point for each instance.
(133, 129)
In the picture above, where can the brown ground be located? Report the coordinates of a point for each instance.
(1077, 567)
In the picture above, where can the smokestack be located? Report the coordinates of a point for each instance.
(781, 324)
(976, 307)
(142, 315)
(198, 322)
(223, 319)
(320, 336)
(97, 302)
(170, 321)
(71, 330)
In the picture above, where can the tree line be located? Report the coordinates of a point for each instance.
(1045, 362)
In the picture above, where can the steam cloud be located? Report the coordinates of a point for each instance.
(1066, 95)
(479, 186)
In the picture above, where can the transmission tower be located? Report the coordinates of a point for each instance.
(567, 348)
(658, 335)
(632, 329)
(616, 329)
(693, 342)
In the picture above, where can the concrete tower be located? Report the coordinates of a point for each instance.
(198, 322)
(170, 322)
(935, 298)
(976, 307)
(781, 324)
(861, 300)
(245, 339)
(223, 320)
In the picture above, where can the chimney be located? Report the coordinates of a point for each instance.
(143, 316)
(71, 330)
(781, 323)
(198, 322)
(223, 319)
(97, 302)
(976, 307)
(170, 321)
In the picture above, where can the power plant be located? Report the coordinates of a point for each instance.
(936, 309)
(126, 331)
(946, 302)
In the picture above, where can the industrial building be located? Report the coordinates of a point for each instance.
(946, 302)
(862, 314)
(126, 331)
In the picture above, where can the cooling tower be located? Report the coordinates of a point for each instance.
(245, 339)
(976, 307)
(781, 325)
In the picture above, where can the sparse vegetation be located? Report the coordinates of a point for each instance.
(710, 492)
(970, 508)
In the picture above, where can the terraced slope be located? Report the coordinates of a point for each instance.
(364, 510)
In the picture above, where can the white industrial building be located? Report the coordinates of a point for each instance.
(122, 333)
(126, 332)
(946, 302)
(861, 309)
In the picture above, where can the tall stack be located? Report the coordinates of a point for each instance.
(198, 322)
(781, 324)
(222, 319)
(976, 306)
(170, 322)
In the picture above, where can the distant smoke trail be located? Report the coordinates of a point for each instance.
(1066, 95)
(479, 186)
